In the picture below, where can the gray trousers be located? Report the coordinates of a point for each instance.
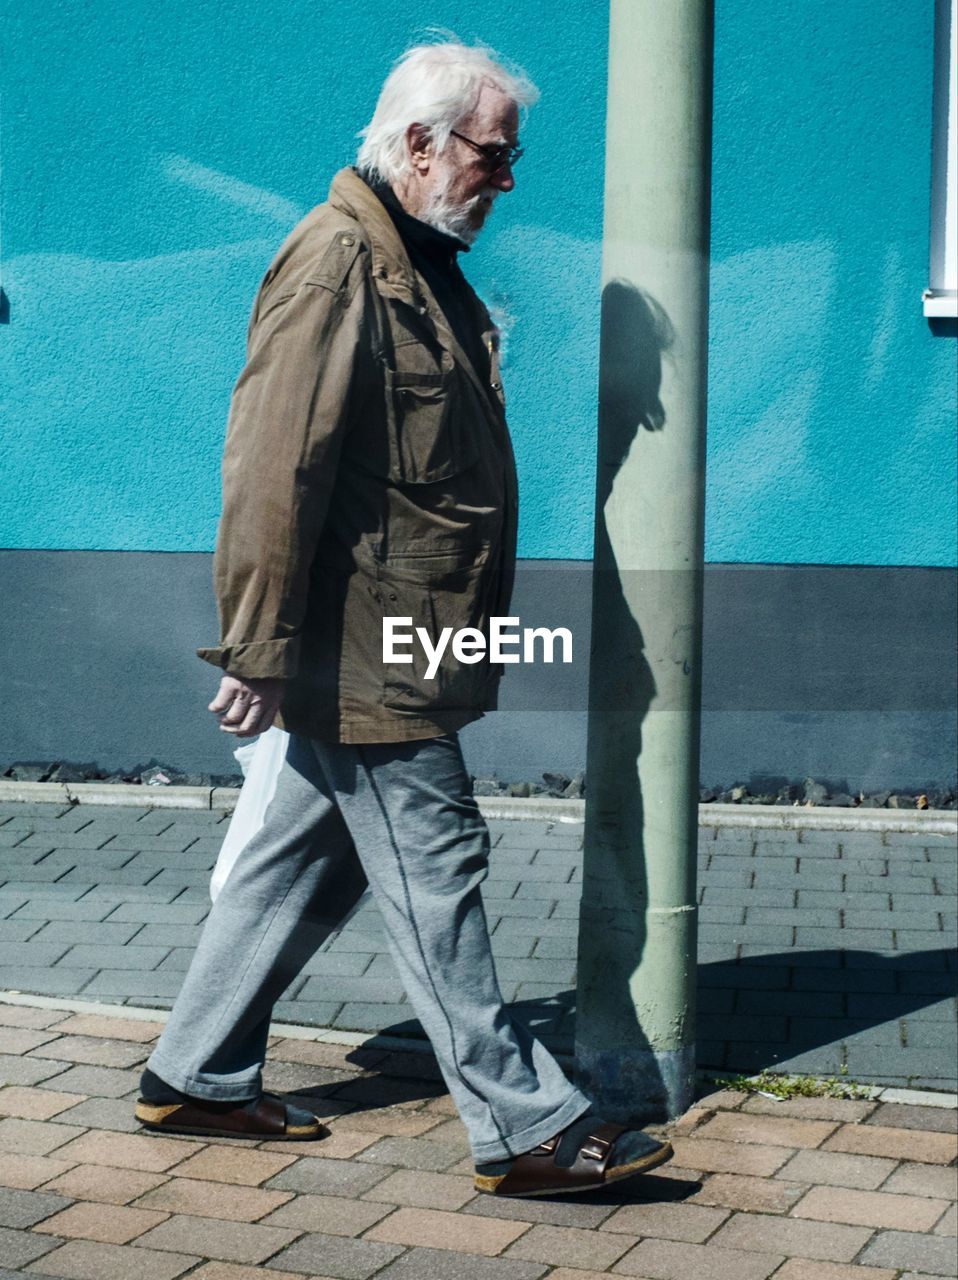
(400, 816)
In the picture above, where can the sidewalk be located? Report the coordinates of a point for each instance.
(811, 1189)
(819, 950)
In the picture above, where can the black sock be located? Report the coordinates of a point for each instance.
(159, 1093)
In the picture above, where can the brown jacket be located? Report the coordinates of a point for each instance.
(368, 472)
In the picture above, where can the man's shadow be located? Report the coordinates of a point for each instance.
(614, 1058)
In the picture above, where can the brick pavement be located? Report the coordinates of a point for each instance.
(818, 949)
(807, 1189)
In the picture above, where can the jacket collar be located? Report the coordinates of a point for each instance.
(393, 271)
(390, 261)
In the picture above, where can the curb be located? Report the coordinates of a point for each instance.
(498, 808)
(408, 1044)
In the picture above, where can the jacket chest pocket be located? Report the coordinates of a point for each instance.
(428, 435)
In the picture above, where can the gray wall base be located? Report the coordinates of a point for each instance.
(842, 673)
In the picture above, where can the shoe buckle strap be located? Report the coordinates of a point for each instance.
(595, 1148)
(546, 1148)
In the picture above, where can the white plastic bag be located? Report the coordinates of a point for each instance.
(260, 762)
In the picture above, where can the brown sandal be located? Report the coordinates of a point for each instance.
(535, 1172)
(269, 1119)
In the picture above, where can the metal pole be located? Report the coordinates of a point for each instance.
(635, 1039)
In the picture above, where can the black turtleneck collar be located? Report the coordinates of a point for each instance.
(416, 233)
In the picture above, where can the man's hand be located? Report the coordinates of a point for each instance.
(247, 707)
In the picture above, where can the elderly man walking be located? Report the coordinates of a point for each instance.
(368, 474)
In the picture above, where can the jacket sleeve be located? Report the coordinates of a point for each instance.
(288, 416)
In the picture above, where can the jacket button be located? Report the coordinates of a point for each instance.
(347, 240)
(496, 386)
(393, 596)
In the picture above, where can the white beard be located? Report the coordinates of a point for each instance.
(456, 219)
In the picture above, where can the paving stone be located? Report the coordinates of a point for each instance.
(432, 1228)
(924, 1180)
(96, 1051)
(100, 1082)
(103, 1113)
(932, 1254)
(353, 989)
(690, 1222)
(393, 1121)
(323, 1176)
(751, 1058)
(237, 1271)
(837, 1109)
(64, 908)
(826, 938)
(126, 1150)
(758, 1195)
(102, 1184)
(334, 1215)
(828, 1241)
(231, 1164)
(809, 978)
(443, 1264)
(31, 954)
(556, 1245)
(423, 1189)
(870, 1006)
(227, 1241)
(86, 931)
(160, 913)
(742, 1027)
(18, 1248)
(28, 1172)
(337, 1257)
(90, 837)
(35, 1104)
(34, 1137)
(411, 1153)
(729, 1157)
(871, 1209)
(37, 892)
(45, 982)
(342, 1144)
(16, 1040)
(111, 1224)
(385, 1091)
(876, 1140)
(948, 1224)
(767, 1130)
(804, 1269)
(544, 890)
(131, 983)
(939, 1119)
(19, 930)
(21, 1015)
(125, 957)
(560, 1211)
(524, 908)
(671, 1260)
(21, 1208)
(90, 1260)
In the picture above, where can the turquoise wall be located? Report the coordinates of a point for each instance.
(155, 155)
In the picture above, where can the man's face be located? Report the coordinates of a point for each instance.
(460, 186)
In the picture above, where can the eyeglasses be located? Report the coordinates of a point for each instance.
(496, 157)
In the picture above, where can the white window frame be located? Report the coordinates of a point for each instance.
(941, 297)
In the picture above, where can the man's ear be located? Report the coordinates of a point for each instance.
(419, 142)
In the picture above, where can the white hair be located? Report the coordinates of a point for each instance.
(437, 86)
